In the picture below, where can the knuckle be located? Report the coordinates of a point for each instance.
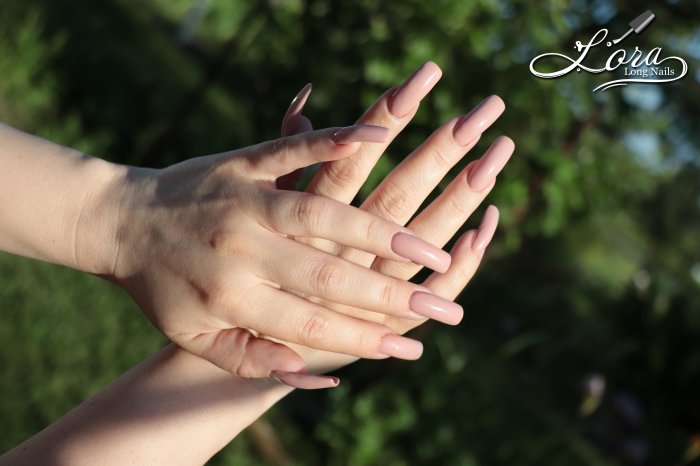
(389, 293)
(325, 277)
(441, 157)
(461, 205)
(342, 173)
(393, 201)
(235, 359)
(314, 329)
(372, 230)
(308, 212)
(367, 338)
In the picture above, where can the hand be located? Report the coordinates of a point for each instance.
(403, 191)
(202, 248)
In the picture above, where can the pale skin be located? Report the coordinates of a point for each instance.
(204, 247)
(178, 409)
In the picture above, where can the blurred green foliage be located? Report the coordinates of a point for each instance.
(580, 344)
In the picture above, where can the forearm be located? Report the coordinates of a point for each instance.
(50, 196)
(174, 408)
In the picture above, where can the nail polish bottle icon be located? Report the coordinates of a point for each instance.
(637, 25)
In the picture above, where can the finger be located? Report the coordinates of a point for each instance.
(467, 254)
(272, 159)
(440, 220)
(322, 275)
(342, 179)
(291, 120)
(290, 181)
(295, 123)
(308, 215)
(290, 318)
(403, 191)
(238, 351)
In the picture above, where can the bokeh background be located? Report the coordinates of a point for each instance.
(581, 342)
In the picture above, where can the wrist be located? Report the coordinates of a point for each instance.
(97, 217)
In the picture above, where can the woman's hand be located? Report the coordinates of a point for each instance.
(202, 248)
(403, 191)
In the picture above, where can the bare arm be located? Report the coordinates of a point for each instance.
(46, 193)
(176, 409)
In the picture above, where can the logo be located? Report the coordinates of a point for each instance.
(636, 66)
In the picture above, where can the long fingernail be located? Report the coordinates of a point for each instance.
(486, 230)
(421, 252)
(491, 163)
(480, 118)
(435, 307)
(360, 133)
(305, 381)
(400, 347)
(412, 91)
(290, 122)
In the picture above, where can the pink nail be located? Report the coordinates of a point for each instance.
(291, 119)
(435, 307)
(480, 118)
(491, 163)
(486, 230)
(400, 347)
(305, 381)
(360, 133)
(412, 91)
(421, 252)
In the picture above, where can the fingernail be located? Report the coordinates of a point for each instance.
(486, 230)
(480, 118)
(412, 91)
(400, 347)
(421, 252)
(305, 381)
(360, 133)
(491, 163)
(435, 307)
(291, 119)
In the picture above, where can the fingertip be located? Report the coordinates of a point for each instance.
(491, 216)
(486, 230)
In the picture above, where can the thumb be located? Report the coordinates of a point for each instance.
(241, 353)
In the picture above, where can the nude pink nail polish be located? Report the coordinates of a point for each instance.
(360, 133)
(400, 347)
(414, 89)
(491, 163)
(478, 120)
(436, 308)
(291, 119)
(486, 230)
(305, 381)
(421, 252)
